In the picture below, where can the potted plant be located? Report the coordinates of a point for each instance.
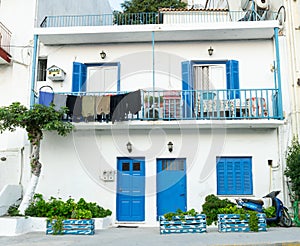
(230, 218)
(182, 222)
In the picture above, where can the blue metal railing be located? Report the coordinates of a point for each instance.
(202, 105)
(168, 17)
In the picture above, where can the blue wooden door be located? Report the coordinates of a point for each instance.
(131, 189)
(171, 185)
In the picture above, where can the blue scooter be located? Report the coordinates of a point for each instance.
(282, 217)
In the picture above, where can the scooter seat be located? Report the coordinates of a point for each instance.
(259, 202)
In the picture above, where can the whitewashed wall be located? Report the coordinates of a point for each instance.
(74, 166)
(255, 58)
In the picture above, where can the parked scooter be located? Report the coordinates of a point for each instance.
(282, 216)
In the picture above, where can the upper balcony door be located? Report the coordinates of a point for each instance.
(102, 79)
(209, 77)
(96, 77)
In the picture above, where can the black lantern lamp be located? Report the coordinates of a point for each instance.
(210, 51)
(170, 146)
(102, 54)
(129, 147)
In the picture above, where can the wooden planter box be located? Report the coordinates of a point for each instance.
(75, 227)
(232, 223)
(186, 224)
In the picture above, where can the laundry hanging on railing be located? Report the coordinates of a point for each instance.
(89, 107)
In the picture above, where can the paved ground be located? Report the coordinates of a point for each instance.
(150, 236)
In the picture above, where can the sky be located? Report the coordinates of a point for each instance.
(115, 4)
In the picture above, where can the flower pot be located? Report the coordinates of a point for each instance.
(185, 224)
(233, 223)
(72, 226)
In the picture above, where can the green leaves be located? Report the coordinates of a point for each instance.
(57, 208)
(138, 6)
(292, 170)
(34, 120)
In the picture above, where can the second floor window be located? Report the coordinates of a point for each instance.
(42, 69)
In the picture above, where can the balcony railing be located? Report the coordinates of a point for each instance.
(172, 17)
(5, 36)
(188, 105)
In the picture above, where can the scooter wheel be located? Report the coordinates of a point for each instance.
(285, 219)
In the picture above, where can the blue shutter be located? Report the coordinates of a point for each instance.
(234, 176)
(247, 174)
(232, 77)
(79, 77)
(221, 177)
(187, 85)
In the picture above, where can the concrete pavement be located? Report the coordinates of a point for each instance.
(150, 236)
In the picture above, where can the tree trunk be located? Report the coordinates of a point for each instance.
(35, 173)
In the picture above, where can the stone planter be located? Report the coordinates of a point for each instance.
(186, 224)
(233, 223)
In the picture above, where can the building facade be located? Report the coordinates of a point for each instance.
(197, 105)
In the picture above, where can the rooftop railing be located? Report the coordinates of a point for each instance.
(187, 105)
(5, 36)
(168, 17)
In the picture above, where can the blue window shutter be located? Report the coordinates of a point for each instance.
(187, 85)
(247, 174)
(234, 176)
(232, 77)
(79, 77)
(221, 177)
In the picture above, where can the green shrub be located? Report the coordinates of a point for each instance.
(169, 216)
(293, 168)
(211, 207)
(57, 208)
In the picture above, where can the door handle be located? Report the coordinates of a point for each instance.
(182, 194)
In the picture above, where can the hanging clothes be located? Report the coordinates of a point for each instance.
(70, 104)
(88, 107)
(102, 105)
(134, 103)
(118, 105)
(59, 100)
(77, 112)
(46, 98)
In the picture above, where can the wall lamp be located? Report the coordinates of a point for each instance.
(170, 146)
(210, 51)
(129, 147)
(102, 54)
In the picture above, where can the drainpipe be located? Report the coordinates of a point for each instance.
(278, 70)
(33, 70)
(293, 61)
(153, 64)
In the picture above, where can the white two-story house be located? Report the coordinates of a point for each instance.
(168, 107)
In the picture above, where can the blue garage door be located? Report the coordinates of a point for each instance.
(131, 189)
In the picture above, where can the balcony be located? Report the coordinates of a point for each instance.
(243, 105)
(168, 26)
(5, 36)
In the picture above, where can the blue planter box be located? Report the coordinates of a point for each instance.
(186, 224)
(75, 227)
(233, 223)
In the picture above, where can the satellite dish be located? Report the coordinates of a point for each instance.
(262, 4)
(244, 4)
